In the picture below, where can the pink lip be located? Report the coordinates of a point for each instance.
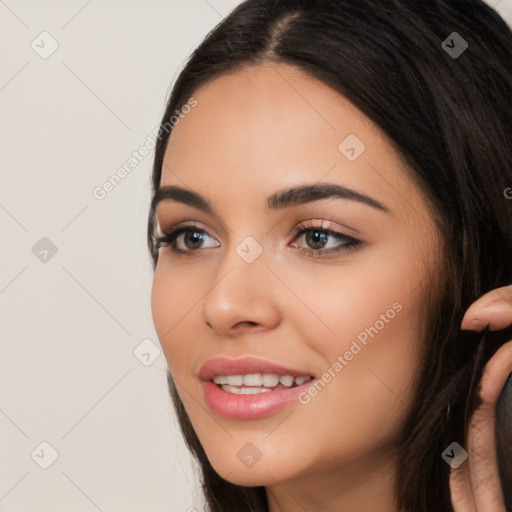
(247, 407)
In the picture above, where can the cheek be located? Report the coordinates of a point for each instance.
(172, 301)
(370, 351)
(161, 302)
(346, 300)
(370, 366)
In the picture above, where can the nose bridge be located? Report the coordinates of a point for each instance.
(246, 247)
(242, 266)
(239, 292)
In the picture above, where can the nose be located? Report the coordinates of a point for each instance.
(242, 297)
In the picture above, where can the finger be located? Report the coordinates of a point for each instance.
(460, 489)
(495, 374)
(483, 465)
(493, 308)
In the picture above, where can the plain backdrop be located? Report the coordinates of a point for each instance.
(86, 422)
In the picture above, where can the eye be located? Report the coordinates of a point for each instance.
(192, 238)
(318, 238)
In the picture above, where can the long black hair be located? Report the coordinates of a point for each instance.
(436, 77)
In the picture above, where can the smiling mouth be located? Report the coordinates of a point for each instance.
(254, 383)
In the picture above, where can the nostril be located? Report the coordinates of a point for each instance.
(246, 323)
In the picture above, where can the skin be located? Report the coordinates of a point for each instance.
(475, 485)
(252, 133)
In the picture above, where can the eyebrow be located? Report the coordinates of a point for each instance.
(281, 199)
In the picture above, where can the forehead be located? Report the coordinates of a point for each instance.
(273, 126)
(261, 113)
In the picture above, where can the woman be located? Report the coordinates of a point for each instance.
(330, 197)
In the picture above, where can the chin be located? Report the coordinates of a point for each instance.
(247, 478)
(261, 473)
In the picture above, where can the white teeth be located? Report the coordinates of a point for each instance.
(245, 390)
(253, 379)
(301, 380)
(270, 380)
(286, 380)
(235, 380)
(265, 380)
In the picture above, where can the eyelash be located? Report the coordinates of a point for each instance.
(169, 239)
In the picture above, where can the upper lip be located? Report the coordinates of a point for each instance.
(243, 366)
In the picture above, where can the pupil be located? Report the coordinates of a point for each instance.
(195, 238)
(315, 235)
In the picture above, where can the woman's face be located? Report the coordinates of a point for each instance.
(347, 313)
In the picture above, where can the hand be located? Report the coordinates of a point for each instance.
(493, 308)
(475, 485)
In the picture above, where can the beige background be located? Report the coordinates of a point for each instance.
(72, 320)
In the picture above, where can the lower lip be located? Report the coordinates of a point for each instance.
(250, 407)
